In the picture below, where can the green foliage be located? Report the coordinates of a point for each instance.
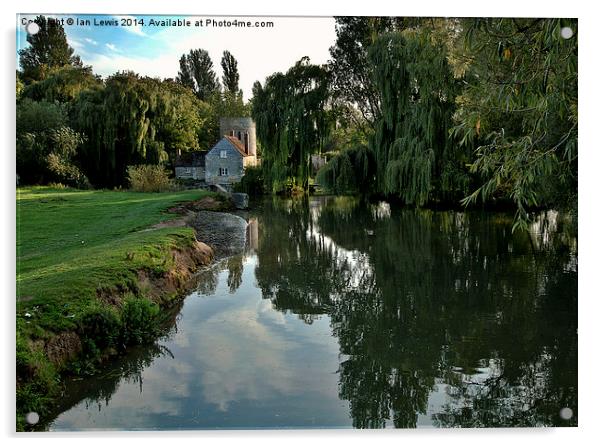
(349, 131)
(351, 171)
(65, 142)
(48, 49)
(252, 182)
(46, 146)
(36, 378)
(135, 120)
(136, 322)
(140, 318)
(19, 86)
(230, 76)
(149, 178)
(228, 104)
(101, 325)
(38, 117)
(292, 123)
(411, 143)
(349, 64)
(196, 72)
(520, 108)
(62, 84)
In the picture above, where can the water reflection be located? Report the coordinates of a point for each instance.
(419, 299)
(347, 313)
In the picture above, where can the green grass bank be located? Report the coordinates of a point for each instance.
(94, 270)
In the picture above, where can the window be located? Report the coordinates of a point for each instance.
(239, 136)
(223, 171)
(223, 154)
(231, 132)
(247, 142)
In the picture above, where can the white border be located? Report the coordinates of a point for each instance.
(590, 165)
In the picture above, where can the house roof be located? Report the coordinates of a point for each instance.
(190, 159)
(237, 145)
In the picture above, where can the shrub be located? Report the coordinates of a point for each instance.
(100, 325)
(36, 379)
(140, 319)
(252, 181)
(149, 178)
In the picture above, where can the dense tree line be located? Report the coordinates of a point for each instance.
(78, 129)
(445, 111)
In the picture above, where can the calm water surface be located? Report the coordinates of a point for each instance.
(347, 314)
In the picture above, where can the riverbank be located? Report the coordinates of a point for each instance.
(95, 270)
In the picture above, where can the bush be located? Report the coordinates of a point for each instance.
(149, 178)
(100, 325)
(46, 146)
(252, 181)
(140, 319)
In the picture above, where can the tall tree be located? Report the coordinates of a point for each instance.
(196, 72)
(351, 70)
(292, 123)
(48, 49)
(231, 101)
(411, 143)
(230, 75)
(185, 74)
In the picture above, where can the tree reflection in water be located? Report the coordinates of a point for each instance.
(420, 299)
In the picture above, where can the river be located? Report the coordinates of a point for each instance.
(342, 313)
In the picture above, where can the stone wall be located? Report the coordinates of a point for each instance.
(190, 172)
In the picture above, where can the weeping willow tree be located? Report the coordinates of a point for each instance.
(132, 120)
(292, 123)
(519, 108)
(351, 171)
(411, 142)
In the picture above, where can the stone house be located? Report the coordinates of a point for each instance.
(226, 161)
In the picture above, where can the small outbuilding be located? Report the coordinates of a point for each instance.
(190, 166)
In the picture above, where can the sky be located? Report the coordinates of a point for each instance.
(117, 43)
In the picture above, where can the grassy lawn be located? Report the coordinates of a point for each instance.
(71, 242)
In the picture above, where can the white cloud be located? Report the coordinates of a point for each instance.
(112, 47)
(133, 28)
(75, 43)
(93, 42)
(259, 51)
(78, 46)
(162, 66)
